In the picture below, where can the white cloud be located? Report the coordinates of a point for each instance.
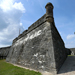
(19, 6)
(70, 41)
(70, 36)
(7, 5)
(70, 44)
(10, 21)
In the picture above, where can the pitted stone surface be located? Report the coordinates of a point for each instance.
(40, 47)
(33, 50)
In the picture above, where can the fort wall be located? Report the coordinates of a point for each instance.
(35, 49)
(40, 47)
(4, 52)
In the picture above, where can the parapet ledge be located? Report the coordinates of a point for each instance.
(32, 27)
(20, 36)
(37, 23)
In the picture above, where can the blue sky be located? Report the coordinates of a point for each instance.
(15, 14)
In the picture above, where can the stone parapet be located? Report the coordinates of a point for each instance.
(32, 27)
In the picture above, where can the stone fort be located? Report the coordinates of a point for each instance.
(40, 48)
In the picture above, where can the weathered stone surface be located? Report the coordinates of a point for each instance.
(49, 12)
(35, 50)
(4, 52)
(32, 27)
(40, 47)
(59, 48)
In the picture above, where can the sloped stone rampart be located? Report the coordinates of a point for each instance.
(40, 47)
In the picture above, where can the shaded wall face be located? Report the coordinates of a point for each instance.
(59, 49)
(4, 52)
(34, 50)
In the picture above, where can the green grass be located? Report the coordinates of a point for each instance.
(9, 69)
(71, 55)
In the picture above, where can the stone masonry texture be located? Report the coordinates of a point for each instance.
(35, 49)
(4, 52)
(40, 47)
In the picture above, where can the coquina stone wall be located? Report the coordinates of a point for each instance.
(35, 49)
(4, 52)
(40, 47)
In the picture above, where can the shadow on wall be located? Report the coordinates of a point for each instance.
(68, 51)
(3, 57)
(68, 66)
(4, 52)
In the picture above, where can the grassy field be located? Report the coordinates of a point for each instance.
(9, 69)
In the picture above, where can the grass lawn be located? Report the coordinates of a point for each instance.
(9, 69)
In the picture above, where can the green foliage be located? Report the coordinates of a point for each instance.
(9, 69)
